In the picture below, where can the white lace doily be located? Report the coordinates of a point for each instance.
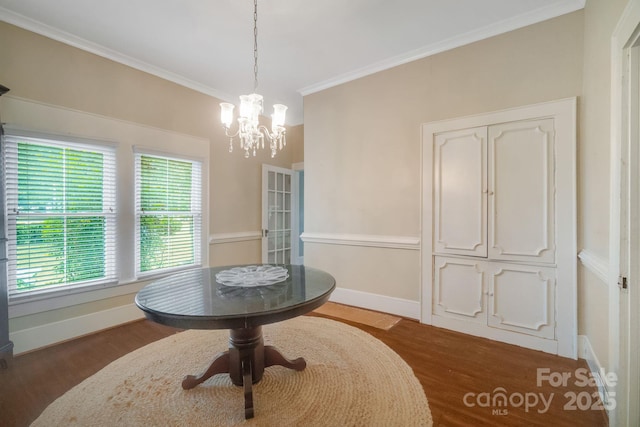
(252, 276)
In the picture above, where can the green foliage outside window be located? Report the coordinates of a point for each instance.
(166, 222)
(60, 226)
(63, 218)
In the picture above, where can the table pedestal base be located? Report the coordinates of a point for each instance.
(245, 362)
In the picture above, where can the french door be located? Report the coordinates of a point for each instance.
(277, 202)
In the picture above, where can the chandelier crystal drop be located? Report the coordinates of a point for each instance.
(250, 132)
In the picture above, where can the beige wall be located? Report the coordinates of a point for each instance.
(600, 19)
(296, 134)
(362, 141)
(39, 69)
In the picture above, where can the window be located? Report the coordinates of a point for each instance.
(61, 213)
(168, 213)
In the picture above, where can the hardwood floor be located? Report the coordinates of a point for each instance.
(449, 365)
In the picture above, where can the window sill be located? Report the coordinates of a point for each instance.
(58, 299)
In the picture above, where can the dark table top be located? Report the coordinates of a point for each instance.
(195, 300)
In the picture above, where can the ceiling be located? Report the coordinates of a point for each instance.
(303, 46)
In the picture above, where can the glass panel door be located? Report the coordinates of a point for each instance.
(276, 215)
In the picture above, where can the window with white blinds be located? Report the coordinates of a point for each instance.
(61, 213)
(168, 213)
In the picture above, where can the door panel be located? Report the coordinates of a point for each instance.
(521, 191)
(460, 198)
(522, 299)
(459, 289)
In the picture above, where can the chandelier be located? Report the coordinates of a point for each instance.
(250, 132)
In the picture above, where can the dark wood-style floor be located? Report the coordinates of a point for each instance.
(449, 365)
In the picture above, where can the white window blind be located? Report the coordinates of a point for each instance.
(168, 213)
(61, 203)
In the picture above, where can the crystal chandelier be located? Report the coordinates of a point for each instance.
(250, 132)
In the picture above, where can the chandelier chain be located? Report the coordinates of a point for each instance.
(255, 46)
(251, 133)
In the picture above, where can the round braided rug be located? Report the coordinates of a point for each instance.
(351, 379)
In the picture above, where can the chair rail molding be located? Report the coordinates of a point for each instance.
(369, 240)
(241, 236)
(595, 264)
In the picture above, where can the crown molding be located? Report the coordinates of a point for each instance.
(529, 18)
(532, 17)
(97, 49)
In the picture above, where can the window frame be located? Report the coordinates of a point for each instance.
(197, 203)
(112, 301)
(111, 217)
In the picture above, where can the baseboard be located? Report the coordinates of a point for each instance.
(51, 333)
(585, 351)
(386, 304)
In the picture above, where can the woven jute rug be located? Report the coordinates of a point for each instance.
(351, 379)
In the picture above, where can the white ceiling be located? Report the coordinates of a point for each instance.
(303, 45)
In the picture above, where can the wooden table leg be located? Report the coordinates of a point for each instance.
(273, 357)
(247, 385)
(219, 365)
(245, 362)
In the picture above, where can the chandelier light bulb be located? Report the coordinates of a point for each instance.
(226, 114)
(277, 118)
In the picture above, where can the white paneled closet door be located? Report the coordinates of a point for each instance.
(507, 296)
(521, 298)
(460, 181)
(459, 289)
(499, 226)
(521, 191)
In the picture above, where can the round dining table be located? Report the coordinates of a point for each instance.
(241, 299)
